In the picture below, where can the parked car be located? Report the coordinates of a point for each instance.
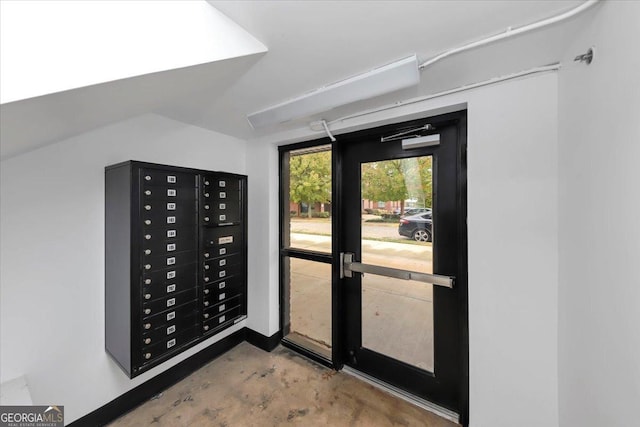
(417, 227)
(415, 211)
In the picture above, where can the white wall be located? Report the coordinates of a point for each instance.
(264, 258)
(599, 184)
(512, 223)
(513, 244)
(52, 255)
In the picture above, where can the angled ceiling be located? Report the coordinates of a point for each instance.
(69, 67)
(52, 46)
(310, 44)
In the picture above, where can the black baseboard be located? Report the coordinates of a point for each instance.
(145, 391)
(262, 341)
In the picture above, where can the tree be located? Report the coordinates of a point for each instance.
(421, 190)
(310, 178)
(384, 181)
(398, 180)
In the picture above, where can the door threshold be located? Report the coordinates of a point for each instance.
(408, 397)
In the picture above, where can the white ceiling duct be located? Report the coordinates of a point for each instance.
(388, 78)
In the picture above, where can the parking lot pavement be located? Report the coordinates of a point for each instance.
(397, 315)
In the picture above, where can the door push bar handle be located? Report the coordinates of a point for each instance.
(348, 266)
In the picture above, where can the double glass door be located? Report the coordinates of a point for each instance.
(383, 288)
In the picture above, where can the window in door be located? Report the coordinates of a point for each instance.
(306, 247)
(399, 236)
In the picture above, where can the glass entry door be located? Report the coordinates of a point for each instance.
(388, 304)
(403, 258)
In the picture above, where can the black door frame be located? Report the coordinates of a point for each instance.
(288, 252)
(339, 338)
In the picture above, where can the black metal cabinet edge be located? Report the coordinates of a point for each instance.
(117, 266)
(141, 164)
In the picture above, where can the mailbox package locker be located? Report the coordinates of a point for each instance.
(175, 259)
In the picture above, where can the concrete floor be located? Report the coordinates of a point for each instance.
(250, 387)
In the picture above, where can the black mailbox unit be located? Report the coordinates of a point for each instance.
(175, 259)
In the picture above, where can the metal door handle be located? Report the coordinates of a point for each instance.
(348, 266)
